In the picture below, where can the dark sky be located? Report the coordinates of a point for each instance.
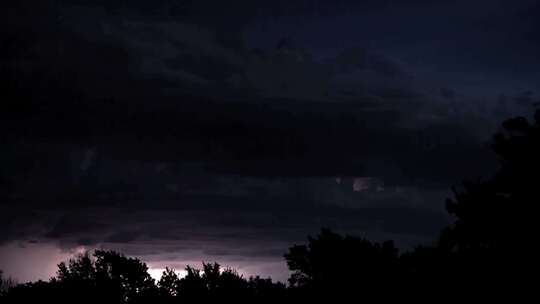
(182, 131)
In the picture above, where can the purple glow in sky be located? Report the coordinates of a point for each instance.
(27, 262)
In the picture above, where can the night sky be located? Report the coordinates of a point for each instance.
(183, 131)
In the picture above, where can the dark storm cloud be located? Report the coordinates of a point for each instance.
(224, 221)
(284, 102)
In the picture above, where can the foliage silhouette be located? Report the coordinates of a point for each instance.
(168, 285)
(110, 277)
(105, 276)
(214, 283)
(490, 240)
(331, 260)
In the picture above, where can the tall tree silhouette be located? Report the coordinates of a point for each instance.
(192, 285)
(331, 262)
(491, 238)
(168, 285)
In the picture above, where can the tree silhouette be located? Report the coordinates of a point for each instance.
(266, 289)
(104, 276)
(192, 285)
(491, 238)
(331, 262)
(168, 285)
(77, 270)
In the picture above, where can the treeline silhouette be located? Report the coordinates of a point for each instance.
(110, 277)
(489, 250)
